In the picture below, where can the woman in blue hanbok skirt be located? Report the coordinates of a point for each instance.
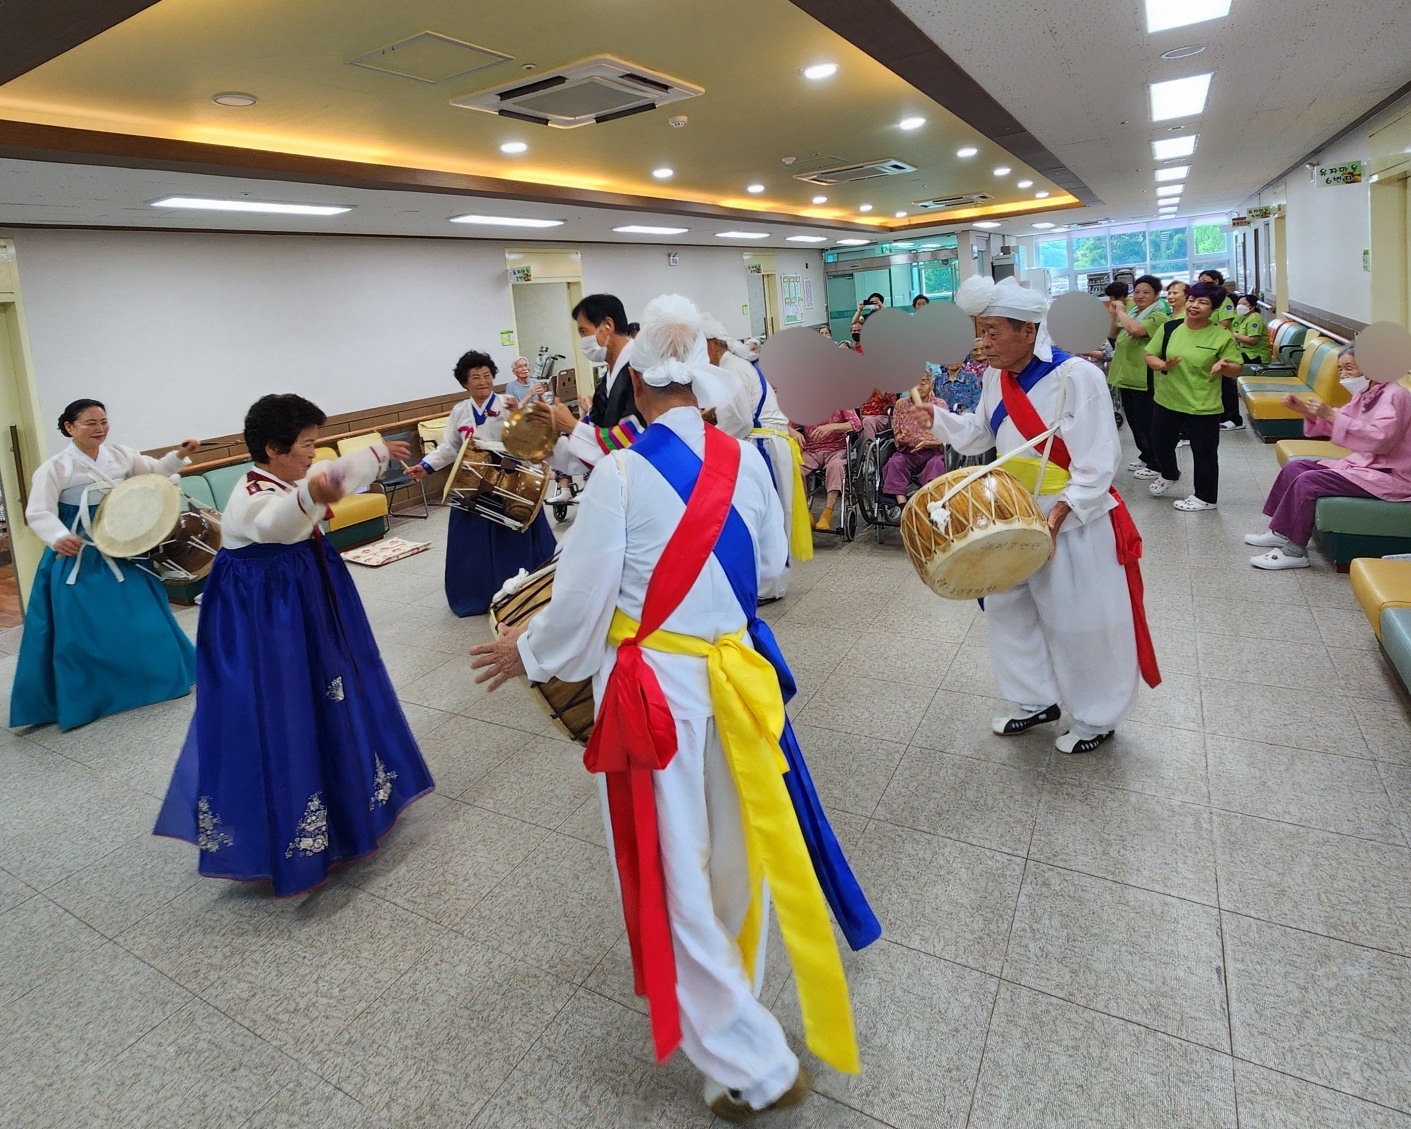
(299, 755)
(99, 636)
(481, 554)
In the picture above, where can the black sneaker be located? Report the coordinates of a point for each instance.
(1011, 726)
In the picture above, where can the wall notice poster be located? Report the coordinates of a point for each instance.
(1349, 172)
(808, 293)
(791, 288)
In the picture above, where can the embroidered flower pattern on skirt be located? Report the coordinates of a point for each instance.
(381, 784)
(335, 689)
(210, 835)
(311, 836)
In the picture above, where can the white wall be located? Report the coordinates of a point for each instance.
(179, 333)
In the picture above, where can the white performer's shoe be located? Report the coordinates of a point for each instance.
(1075, 742)
(1017, 723)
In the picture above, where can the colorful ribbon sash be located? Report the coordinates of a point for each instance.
(800, 521)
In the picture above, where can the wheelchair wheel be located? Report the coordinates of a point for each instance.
(1118, 417)
(850, 526)
(560, 513)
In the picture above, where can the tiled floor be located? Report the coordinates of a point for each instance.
(1206, 923)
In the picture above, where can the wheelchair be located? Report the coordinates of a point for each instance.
(849, 508)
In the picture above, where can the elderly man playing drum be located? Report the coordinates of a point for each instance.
(1074, 634)
(656, 602)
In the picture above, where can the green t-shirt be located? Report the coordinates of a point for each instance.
(1189, 386)
(1128, 368)
(1253, 325)
(1226, 312)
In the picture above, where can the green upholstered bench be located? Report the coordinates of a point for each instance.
(1269, 417)
(1362, 527)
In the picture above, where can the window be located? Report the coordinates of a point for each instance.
(1053, 254)
(1129, 249)
(1089, 252)
(1167, 248)
(1209, 239)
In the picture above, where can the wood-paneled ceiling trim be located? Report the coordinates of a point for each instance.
(34, 31)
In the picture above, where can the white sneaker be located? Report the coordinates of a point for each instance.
(1145, 474)
(1192, 505)
(1270, 540)
(1135, 465)
(1277, 559)
(1159, 487)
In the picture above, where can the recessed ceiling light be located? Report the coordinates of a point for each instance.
(510, 148)
(901, 215)
(1183, 52)
(1003, 170)
(506, 221)
(1024, 184)
(1162, 15)
(904, 246)
(1170, 148)
(967, 152)
(1040, 195)
(928, 246)
(820, 70)
(1170, 190)
(1041, 226)
(820, 199)
(806, 239)
(645, 229)
(233, 99)
(1179, 97)
(199, 203)
(663, 173)
(986, 223)
(1175, 172)
(754, 189)
(911, 123)
(853, 242)
(742, 235)
(864, 207)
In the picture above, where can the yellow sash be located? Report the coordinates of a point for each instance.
(1027, 471)
(749, 715)
(800, 521)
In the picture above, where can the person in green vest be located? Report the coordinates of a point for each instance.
(1190, 359)
(1135, 325)
(1224, 314)
(1251, 331)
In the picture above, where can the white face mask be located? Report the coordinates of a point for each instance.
(1355, 384)
(1241, 309)
(592, 350)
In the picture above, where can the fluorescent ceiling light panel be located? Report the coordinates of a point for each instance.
(266, 207)
(820, 199)
(1179, 97)
(511, 148)
(853, 242)
(901, 215)
(663, 173)
(1025, 184)
(1162, 15)
(1170, 189)
(966, 153)
(1042, 226)
(754, 189)
(864, 207)
(820, 70)
(1171, 148)
(912, 123)
(807, 239)
(742, 235)
(1175, 172)
(506, 221)
(645, 229)
(1040, 195)
(1003, 170)
(986, 223)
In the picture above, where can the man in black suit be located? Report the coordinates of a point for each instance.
(612, 420)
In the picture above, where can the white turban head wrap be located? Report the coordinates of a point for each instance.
(671, 349)
(713, 329)
(984, 298)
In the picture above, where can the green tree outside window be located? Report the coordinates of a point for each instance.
(1209, 239)
(1129, 249)
(1090, 252)
(1053, 254)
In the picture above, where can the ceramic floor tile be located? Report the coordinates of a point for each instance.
(13, 891)
(1141, 956)
(813, 645)
(1386, 726)
(1154, 759)
(1322, 1010)
(1176, 703)
(849, 772)
(1342, 887)
(1270, 1100)
(945, 898)
(1141, 840)
(961, 723)
(988, 805)
(1345, 627)
(1287, 622)
(462, 751)
(1265, 661)
(39, 940)
(542, 783)
(513, 704)
(866, 706)
(971, 672)
(1310, 718)
(1052, 1065)
(449, 686)
(1366, 673)
(1341, 794)
(919, 663)
(308, 1102)
(123, 887)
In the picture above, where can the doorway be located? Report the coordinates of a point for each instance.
(543, 324)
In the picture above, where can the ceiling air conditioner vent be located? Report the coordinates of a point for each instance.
(848, 174)
(594, 90)
(942, 203)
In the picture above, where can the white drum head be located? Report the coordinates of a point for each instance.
(137, 515)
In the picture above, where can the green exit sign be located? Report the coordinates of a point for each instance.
(884, 248)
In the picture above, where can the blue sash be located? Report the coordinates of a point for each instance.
(1033, 372)
(759, 443)
(680, 466)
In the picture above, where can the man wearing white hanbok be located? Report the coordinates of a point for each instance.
(1074, 634)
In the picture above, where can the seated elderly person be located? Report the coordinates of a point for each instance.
(825, 447)
(877, 413)
(919, 453)
(1375, 426)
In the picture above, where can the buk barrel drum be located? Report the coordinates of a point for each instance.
(494, 484)
(136, 516)
(190, 549)
(974, 532)
(570, 704)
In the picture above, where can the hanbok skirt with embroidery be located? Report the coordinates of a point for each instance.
(99, 645)
(481, 555)
(299, 755)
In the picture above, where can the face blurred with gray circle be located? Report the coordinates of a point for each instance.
(1384, 352)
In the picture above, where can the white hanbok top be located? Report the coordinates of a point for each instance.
(71, 467)
(460, 425)
(1087, 428)
(625, 518)
(736, 417)
(265, 510)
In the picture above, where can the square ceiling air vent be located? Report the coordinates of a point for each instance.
(941, 203)
(848, 174)
(594, 90)
(430, 57)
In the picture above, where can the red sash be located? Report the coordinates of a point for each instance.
(635, 735)
(1129, 542)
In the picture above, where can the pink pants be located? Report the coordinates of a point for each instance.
(834, 464)
(871, 425)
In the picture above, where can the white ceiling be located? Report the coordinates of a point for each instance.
(1288, 75)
